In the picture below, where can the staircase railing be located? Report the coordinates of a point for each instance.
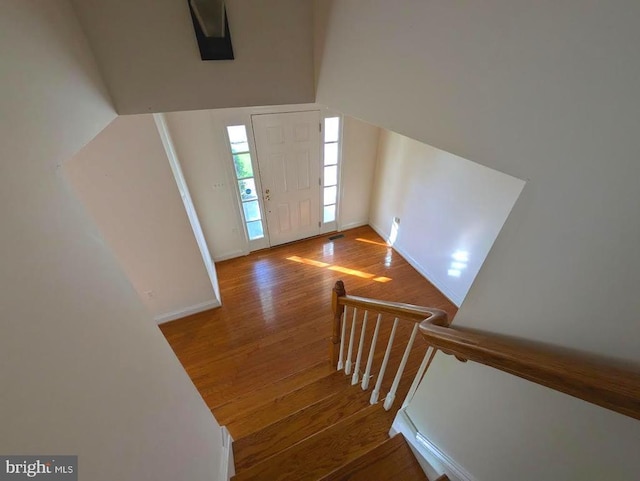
(359, 310)
(605, 382)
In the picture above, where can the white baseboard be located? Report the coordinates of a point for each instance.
(227, 467)
(421, 269)
(433, 461)
(187, 311)
(230, 255)
(353, 225)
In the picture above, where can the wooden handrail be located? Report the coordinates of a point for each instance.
(605, 382)
(397, 309)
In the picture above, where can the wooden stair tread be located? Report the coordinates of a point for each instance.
(290, 402)
(245, 403)
(287, 405)
(390, 461)
(300, 425)
(315, 417)
(319, 455)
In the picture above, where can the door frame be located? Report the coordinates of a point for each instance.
(242, 116)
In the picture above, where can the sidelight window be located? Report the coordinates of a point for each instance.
(330, 177)
(246, 181)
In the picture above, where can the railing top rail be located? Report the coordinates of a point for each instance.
(602, 381)
(608, 383)
(398, 309)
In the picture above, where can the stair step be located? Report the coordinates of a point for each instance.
(273, 410)
(244, 404)
(300, 425)
(308, 413)
(318, 455)
(292, 425)
(390, 461)
(287, 405)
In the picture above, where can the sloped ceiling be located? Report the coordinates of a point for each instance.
(149, 58)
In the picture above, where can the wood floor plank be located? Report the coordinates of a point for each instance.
(240, 377)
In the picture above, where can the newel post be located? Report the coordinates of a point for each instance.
(338, 310)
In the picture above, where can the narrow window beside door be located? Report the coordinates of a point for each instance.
(246, 181)
(331, 155)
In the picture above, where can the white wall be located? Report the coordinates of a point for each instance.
(359, 151)
(546, 92)
(84, 369)
(124, 180)
(450, 209)
(203, 152)
(150, 58)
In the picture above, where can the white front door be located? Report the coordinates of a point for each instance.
(288, 151)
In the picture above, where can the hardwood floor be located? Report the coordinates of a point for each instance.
(261, 362)
(274, 324)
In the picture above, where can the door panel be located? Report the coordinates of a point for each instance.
(305, 213)
(288, 152)
(284, 218)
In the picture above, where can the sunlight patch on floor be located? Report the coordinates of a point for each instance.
(382, 279)
(344, 270)
(352, 272)
(310, 262)
(360, 239)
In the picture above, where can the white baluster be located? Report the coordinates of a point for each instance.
(356, 369)
(367, 371)
(347, 367)
(388, 402)
(344, 326)
(375, 394)
(426, 362)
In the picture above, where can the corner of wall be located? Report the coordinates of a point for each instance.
(188, 311)
(174, 162)
(417, 266)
